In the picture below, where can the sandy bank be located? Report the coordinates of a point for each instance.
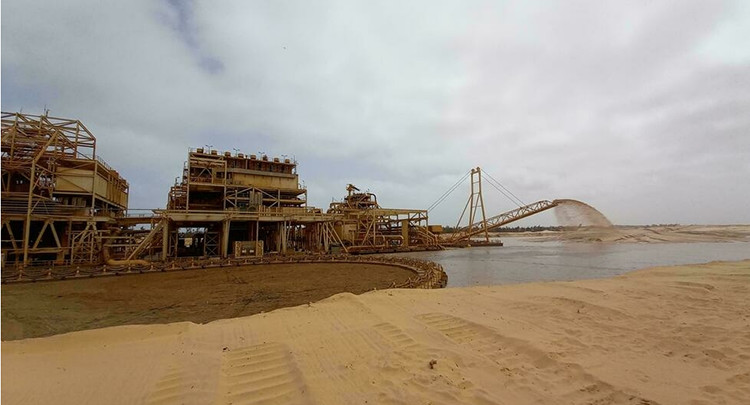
(642, 234)
(678, 335)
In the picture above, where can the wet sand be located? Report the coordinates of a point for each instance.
(672, 335)
(200, 296)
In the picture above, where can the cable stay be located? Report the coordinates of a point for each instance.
(514, 199)
(475, 207)
(448, 192)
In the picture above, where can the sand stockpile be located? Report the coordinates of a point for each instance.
(676, 335)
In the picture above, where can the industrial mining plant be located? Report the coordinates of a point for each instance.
(62, 205)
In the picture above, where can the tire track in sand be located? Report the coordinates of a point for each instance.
(173, 388)
(260, 374)
(456, 388)
(188, 375)
(382, 364)
(527, 368)
(397, 338)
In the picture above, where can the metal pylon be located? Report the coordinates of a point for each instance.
(475, 204)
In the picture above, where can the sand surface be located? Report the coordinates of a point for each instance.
(53, 307)
(673, 335)
(642, 234)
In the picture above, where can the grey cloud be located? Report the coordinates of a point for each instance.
(632, 107)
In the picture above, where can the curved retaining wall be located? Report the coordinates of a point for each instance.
(426, 274)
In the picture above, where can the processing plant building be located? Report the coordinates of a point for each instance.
(63, 205)
(58, 195)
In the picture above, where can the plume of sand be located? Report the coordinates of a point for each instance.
(574, 213)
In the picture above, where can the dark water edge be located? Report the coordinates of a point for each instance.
(522, 261)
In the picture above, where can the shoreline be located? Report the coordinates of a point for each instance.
(663, 335)
(640, 234)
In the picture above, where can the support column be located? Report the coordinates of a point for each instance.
(27, 222)
(481, 200)
(165, 239)
(282, 238)
(225, 238)
(60, 259)
(258, 248)
(405, 232)
(472, 208)
(250, 228)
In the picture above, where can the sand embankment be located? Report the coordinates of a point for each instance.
(678, 335)
(641, 234)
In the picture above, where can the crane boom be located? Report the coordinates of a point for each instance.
(503, 219)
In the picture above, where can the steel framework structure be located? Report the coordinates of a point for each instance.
(482, 227)
(366, 227)
(56, 192)
(236, 200)
(63, 205)
(475, 204)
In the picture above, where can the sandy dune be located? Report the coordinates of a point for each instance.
(677, 335)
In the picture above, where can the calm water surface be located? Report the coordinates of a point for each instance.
(521, 261)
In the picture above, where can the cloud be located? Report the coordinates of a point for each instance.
(634, 108)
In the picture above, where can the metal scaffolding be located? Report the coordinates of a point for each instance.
(365, 227)
(63, 205)
(56, 192)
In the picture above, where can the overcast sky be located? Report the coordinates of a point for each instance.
(639, 108)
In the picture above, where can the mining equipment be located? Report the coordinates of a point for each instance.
(363, 226)
(59, 198)
(251, 204)
(478, 223)
(62, 205)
